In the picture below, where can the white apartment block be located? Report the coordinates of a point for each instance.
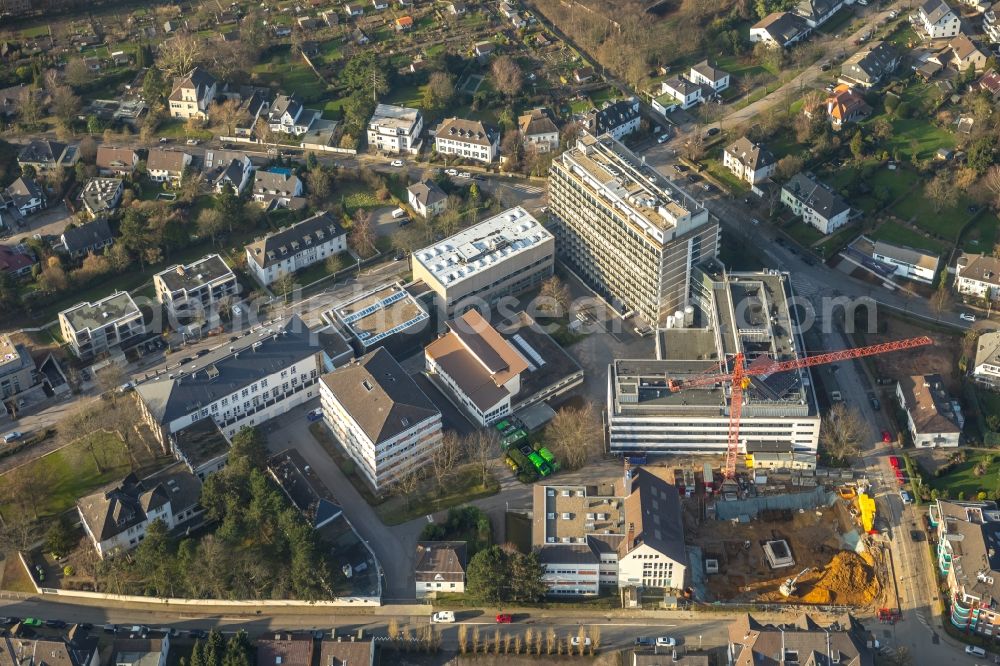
(934, 419)
(387, 425)
(748, 161)
(93, 329)
(296, 247)
(193, 95)
(978, 275)
(644, 416)
(611, 213)
(986, 365)
(245, 383)
(469, 139)
(817, 204)
(195, 288)
(504, 255)
(395, 129)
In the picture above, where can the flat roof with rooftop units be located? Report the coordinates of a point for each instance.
(86, 316)
(476, 249)
(389, 115)
(651, 202)
(204, 271)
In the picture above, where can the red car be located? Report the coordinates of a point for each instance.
(504, 618)
(894, 461)
(886, 436)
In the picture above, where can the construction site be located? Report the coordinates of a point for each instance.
(793, 542)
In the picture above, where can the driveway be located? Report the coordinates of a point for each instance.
(50, 222)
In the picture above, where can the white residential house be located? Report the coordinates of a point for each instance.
(426, 198)
(470, 139)
(380, 4)
(93, 329)
(387, 425)
(538, 131)
(677, 92)
(908, 262)
(395, 129)
(748, 161)
(817, 204)
(102, 195)
(619, 118)
(277, 187)
(116, 518)
(986, 365)
(936, 20)
(228, 168)
(991, 26)
(198, 287)
(193, 95)
(978, 275)
(934, 419)
(780, 30)
(296, 247)
(440, 567)
(707, 74)
(288, 116)
(354, 9)
(25, 196)
(817, 12)
(167, 166)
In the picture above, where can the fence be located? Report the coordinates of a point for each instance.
(790, 501)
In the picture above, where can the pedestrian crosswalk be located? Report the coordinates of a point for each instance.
(803, 286)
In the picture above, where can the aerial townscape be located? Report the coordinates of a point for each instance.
(480, 332)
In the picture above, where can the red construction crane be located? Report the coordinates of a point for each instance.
(739, 377)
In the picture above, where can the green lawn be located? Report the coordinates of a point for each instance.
(804, 234)
(64, 476)
(719, 172)
(963, 479)
(602, 95)
(945, 223)
(981, 236)
(837, 241)
(919, 134)
(410, 95)
(838, 22)
(893, 232)
(175, 128)
(290, 74)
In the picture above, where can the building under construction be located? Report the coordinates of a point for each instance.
(729, 314)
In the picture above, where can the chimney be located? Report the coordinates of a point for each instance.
(630, 538)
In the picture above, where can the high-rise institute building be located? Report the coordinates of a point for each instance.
(627, 231)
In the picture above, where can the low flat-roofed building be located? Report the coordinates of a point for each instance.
(504, 255)
(934, 418)
(439, 567)
(295, 247)
(386, 316)
(384, 421)
(202, 447)
(733, 313)
(908, 262)
(198, 287)
(92, 329)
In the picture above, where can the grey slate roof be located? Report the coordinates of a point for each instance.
(392, 404)
(872, 64)
(24, 189)
(427, 192)
(86, 236)
(653, 506)
(265, 182)
(816, 196)
(751, 154)
(612, 116)
(814, 10)
(283, 103)
(276, 247)
(222, 372)
(783, 27)
(935, 10)
(440, 561)
(40, 151)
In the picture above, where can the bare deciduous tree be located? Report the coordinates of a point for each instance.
(506, 75)
(228, 114)
(445, 459)
(481, 447)
(554, 297)
(575, 434)
(362, 236)
(179, 54)
(842, 431)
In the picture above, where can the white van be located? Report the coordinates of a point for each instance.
(443, 616)
(975, 651)
(398, 213)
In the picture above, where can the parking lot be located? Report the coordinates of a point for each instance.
(49, 222)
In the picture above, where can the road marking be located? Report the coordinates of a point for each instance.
(429, 518)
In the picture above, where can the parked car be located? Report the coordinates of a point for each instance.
(110, 628)
(905, 496)
(396, 163)
(8, 621)
(164, 139)
(465, 174)
(13, 436)
(967, 316)
(836, 396)
(712, 131)
(645, 641)
(662, 138)
(192, 142)
(400, 255)
(680, 168)
(876, 405)
(576, 641)
(666, 641)
(886, 437)
(443, 617)
(451, 172)
(55, 624)
(32, 622)
(39, 573)
(893, 460)
(504, 618)
(197, 633)
(314, 415)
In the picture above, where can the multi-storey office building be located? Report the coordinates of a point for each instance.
(732, 313)
(625, 230)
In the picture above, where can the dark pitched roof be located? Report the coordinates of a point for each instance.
(86, 236)
(346, 653)
(872, 63)
(751, 154)
(468, 131)
(285, 649)
(24, 188)
(41, 151)
(198, 79)
(165, 160)
(653, 512)
(935, 10)
(782, 27)
(222, 372)
(757, 644)
(611, 116)
(427, 192)
(816, 196)
(440, 561)
(378, 394)
(279, 245)
(280, 182)
(282, 104)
